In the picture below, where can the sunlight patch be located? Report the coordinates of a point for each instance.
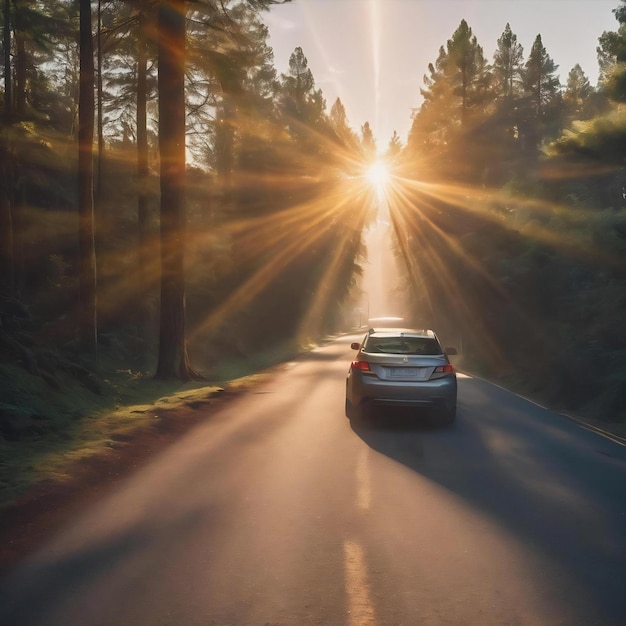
(378, 174)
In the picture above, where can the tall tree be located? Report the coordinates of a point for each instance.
(431, 122)
(255, 97)
(28, 30)
(87, 300)
(36, 25)
(458, 99)
(302, 103)
(368, 142)
(467, 69)
(338, 121)
(577, 92)
(146, 19)
(6, 40)
(508, 76)
(541, 82)
(602, 136)
(612, 58)
(456, 91)
(6, 182)
(144, 23)
(507, 64)
(394, 148)
(173, 359)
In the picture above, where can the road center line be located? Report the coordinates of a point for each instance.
(360, 608)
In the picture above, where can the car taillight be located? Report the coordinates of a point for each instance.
(441, 371)
(444, 369)
(364, 366)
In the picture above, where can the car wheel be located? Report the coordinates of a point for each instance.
(353, 413)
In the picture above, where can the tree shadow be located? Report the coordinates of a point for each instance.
(557, 488)
(37, 591)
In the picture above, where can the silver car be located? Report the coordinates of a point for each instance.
(401, 367)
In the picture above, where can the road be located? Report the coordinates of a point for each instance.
(275, 511)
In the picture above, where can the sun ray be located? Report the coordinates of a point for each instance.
(286, 236)
(418, 210)
(345, 194)
(476, 202)
(375, 20)
(378, 175)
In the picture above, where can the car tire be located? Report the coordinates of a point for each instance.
(353, 413)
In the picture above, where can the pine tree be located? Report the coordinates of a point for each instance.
(541, 82)
(368, 143)
(508, 77)
(36, 27)
(6, 44)
(457, 90)
(338, 121)
(87, 324)
(577, 92)
(507, 65)
(612, 58)
(432, 122)
(302, 103)
(467, 69)
(458, 98)
(173, 360)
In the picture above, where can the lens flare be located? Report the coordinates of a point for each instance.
(378, 174)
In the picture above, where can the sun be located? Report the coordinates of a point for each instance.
(377, 174)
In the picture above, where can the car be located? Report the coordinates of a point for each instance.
(401, 367)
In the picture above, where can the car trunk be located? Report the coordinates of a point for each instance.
(404, 368)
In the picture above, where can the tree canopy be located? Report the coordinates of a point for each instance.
(229, 197)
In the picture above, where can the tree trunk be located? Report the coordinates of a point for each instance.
(20, 71)
(87, 325)
(6, 181)
(100, 100)
(6, 33)
(7, 265)
(173, 359)
(142, 135)
(145, 276)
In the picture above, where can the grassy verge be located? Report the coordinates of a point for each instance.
(48, 435)
(46, 431)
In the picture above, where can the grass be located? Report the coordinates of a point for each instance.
(50, 432)
(44, 432)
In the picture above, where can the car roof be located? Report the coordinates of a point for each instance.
(410, 332)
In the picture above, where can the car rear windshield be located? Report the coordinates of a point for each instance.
(402, 345)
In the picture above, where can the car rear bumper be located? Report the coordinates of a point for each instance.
(439, 393)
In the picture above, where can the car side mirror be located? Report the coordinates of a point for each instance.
(451, 351)
(355, 346)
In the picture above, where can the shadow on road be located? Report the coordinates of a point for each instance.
(559, 489)
(39, 589)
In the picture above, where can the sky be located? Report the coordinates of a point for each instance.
(373, 54)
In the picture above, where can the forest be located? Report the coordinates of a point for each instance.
(170, 204)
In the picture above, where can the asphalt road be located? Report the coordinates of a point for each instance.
(275, 511)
